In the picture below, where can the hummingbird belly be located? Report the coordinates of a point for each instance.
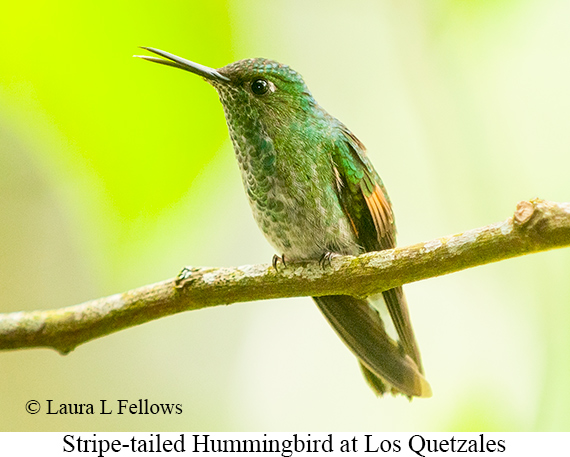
(302, 220)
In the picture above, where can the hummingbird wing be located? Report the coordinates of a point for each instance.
(367, 206)
(362, 183)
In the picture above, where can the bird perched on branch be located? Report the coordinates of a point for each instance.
(314, 193)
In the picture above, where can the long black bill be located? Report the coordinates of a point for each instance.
(178, 62)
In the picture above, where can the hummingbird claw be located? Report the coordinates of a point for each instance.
(276, 260)
(326, 259)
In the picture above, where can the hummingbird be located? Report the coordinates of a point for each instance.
(315, 194)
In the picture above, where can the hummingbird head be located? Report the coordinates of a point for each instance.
(259, 92)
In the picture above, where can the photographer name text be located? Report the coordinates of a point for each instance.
(118, 407)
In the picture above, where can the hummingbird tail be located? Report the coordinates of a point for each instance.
(378, 385)
(397, 306)
(385, 365)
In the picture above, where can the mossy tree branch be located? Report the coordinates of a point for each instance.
(536, 225)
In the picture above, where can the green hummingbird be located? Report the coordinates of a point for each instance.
(314, 193)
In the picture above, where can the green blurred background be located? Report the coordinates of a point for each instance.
(115, 173)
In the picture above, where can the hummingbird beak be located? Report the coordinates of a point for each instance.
(178, 62)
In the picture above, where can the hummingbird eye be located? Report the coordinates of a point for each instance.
(259, 86)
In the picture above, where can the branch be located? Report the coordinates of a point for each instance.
(537, 225)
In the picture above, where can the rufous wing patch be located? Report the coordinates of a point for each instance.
(380, 210)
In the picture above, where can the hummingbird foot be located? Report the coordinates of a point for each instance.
(277, 260)
(326, 259)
